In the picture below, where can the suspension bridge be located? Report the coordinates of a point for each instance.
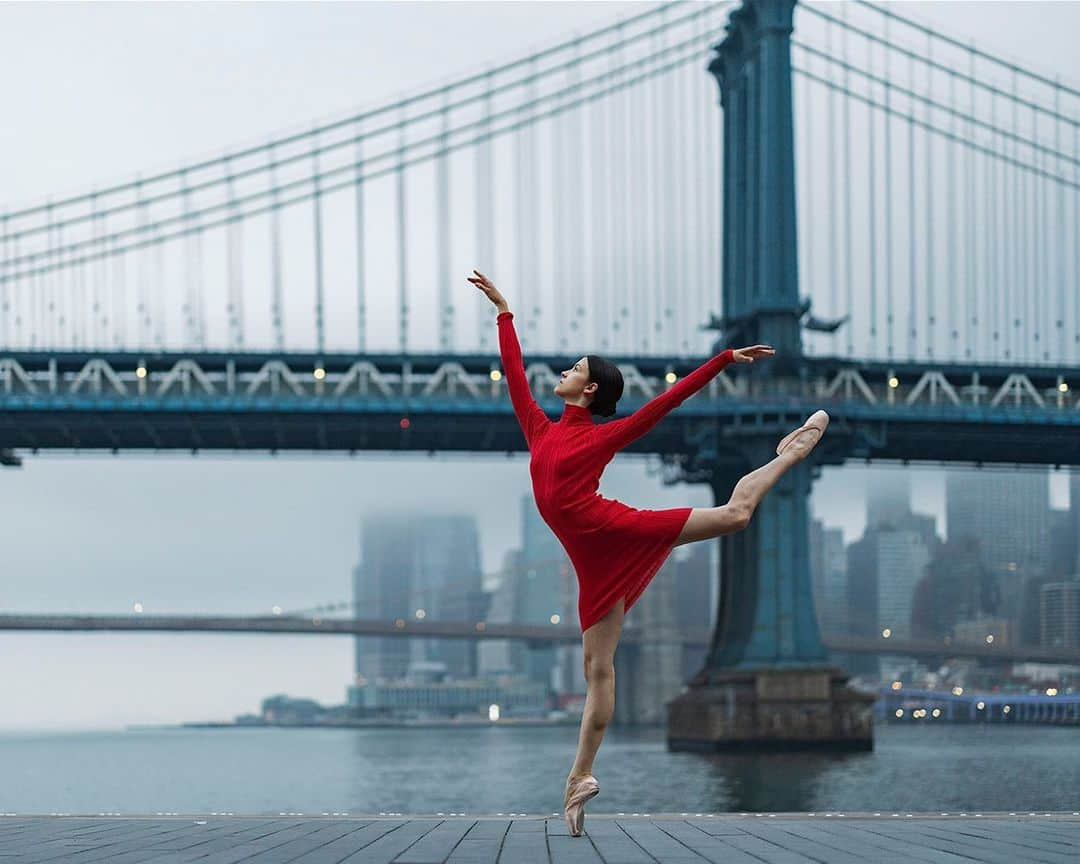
(893, 209)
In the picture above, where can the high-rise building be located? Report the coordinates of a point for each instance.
(1008, 513)
(1074, 508)
(888, 498)
(884, 567)
(415, 567)
(1059, 616)
(828, 576)
(496, 656)
(542, 590)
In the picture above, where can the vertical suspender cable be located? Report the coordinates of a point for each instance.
(361, 255)
(320, 327)
(598, 239)
(485, 203)
(912, 276)
(1039, 236)
(1060, 220)
(1015, 293)
(522, 165)
(443, 276)
(931, 319)
(831, 146)
(849, 328)
(658, 211)
(702, 278)
(277, 307)
(871, 222)
(995, 268)
(970, 248)
(889, 314)
(142, 307)
(950, 221)
(402, 245)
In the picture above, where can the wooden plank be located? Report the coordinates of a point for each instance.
(482, 844)
(393, 843)
(662, 847)
(613, 843)
(435, 847)
(525, 843)
(352, 843)
(712, 847)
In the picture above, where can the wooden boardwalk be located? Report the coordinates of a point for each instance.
(520, 839)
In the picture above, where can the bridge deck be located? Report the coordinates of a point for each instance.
(609, 839)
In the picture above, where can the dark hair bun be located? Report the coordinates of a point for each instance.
(609, 389)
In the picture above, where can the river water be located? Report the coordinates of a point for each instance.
(522, 770)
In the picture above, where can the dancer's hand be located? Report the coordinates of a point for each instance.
(490, 291)
(749, 355)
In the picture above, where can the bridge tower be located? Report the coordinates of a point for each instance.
(766, 681)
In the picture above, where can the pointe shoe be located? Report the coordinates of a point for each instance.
(577, 793)
(817, 422)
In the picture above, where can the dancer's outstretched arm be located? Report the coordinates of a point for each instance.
(530, 416)
(618, 433)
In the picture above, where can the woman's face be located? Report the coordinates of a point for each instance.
(574, 381)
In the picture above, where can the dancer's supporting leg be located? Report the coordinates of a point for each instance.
(599, 643)
(706, 523)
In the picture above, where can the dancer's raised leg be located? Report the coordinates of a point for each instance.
(706, 523)
(599, 643)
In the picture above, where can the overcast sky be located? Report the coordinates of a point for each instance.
(98, 92)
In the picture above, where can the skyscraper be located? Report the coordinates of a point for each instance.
(415, 567)
(1060, 615)
(1008, 513)
(888, 497)
(828, 574)
(542, 590)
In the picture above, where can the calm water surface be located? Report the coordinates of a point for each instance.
(522, 770)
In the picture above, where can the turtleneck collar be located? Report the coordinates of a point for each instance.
(576, 414)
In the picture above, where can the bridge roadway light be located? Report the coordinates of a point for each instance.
(886, 633)
(399, 623)
(555, 619)
(896, 685)
(936, 712)
(894, 382)
(319, 373)
(493, 712)
(140, 371)
(420, 613)
(671, 377)
(138, 607)
(496, 375)
(989, 638)
(899, 712)
(1051, 691)
(1063, 387)
(981, 705)
(1006, 709)
(957, 691)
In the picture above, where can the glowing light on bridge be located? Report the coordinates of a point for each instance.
(555, 619)
(496, 375)
(896, 685)
(671, 377)
(493, 712)
(886, 633)
(989, 638)
(138, 607)
(894, 382)
(319, 373)
(276, 610)
(420, 613)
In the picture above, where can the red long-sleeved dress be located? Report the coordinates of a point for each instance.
(615, 549)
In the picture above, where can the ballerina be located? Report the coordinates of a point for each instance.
(616, 550)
